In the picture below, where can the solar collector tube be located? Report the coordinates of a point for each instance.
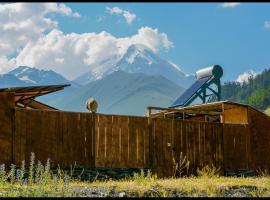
(214, 70)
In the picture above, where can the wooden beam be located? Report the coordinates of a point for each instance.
(205, 112)
(197, 112)
(31, 103)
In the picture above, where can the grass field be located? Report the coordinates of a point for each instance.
(40, 181)
(267, 111)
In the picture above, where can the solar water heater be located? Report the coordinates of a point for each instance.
(207, 87)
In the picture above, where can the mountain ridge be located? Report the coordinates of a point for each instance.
(135, 91)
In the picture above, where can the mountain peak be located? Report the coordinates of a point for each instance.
(138, 47)
(32, 75)
(138, 58)
(137, 51)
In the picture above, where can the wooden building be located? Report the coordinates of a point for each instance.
(227, 112)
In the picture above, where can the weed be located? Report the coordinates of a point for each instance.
(31, 169)
(208, 172)
(144, 178)
(21, 173)
(181, 166)
(11, 174)
(3, 176)
(262, 173)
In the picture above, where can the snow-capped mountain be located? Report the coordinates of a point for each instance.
(34, 76)
(30, 76)
(139, 59)
(118, 92)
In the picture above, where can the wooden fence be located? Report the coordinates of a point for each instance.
(121, 141)
(115, 141)
(200, 142)
(64, 137)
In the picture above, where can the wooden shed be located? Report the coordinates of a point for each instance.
(226, 112)
(253, 143)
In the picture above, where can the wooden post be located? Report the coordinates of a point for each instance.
(94, 137)
(150, 139)
(222, 117)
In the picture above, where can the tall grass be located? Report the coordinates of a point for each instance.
(35, 181)
(38, 180)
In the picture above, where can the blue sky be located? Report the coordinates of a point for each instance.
(202, 33)
(192, 35)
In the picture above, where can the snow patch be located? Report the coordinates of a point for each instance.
(190, 75)
(132, 57)
(26, 78)
(23, 71)
(175, 66)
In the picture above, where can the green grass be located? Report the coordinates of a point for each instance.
(42, 182)
(267, 111)
(209, 183)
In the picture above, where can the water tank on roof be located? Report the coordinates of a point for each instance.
(214, 70)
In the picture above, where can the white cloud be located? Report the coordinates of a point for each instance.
(59, 60)
(129, 17)
(230, 5)
(267, 24)
(74, 54)
(24, 22)
(245, 76)
(6, 64)
(28, 36)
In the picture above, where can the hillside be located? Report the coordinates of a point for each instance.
(255, 92)
(123, 93)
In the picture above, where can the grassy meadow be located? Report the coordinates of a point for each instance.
(40, 181)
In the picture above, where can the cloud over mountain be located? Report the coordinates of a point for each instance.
(73, 54)
(30, 36)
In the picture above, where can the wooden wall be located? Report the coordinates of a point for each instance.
(260, 139)
(237, 150)
(236, 114)
(6, 126)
